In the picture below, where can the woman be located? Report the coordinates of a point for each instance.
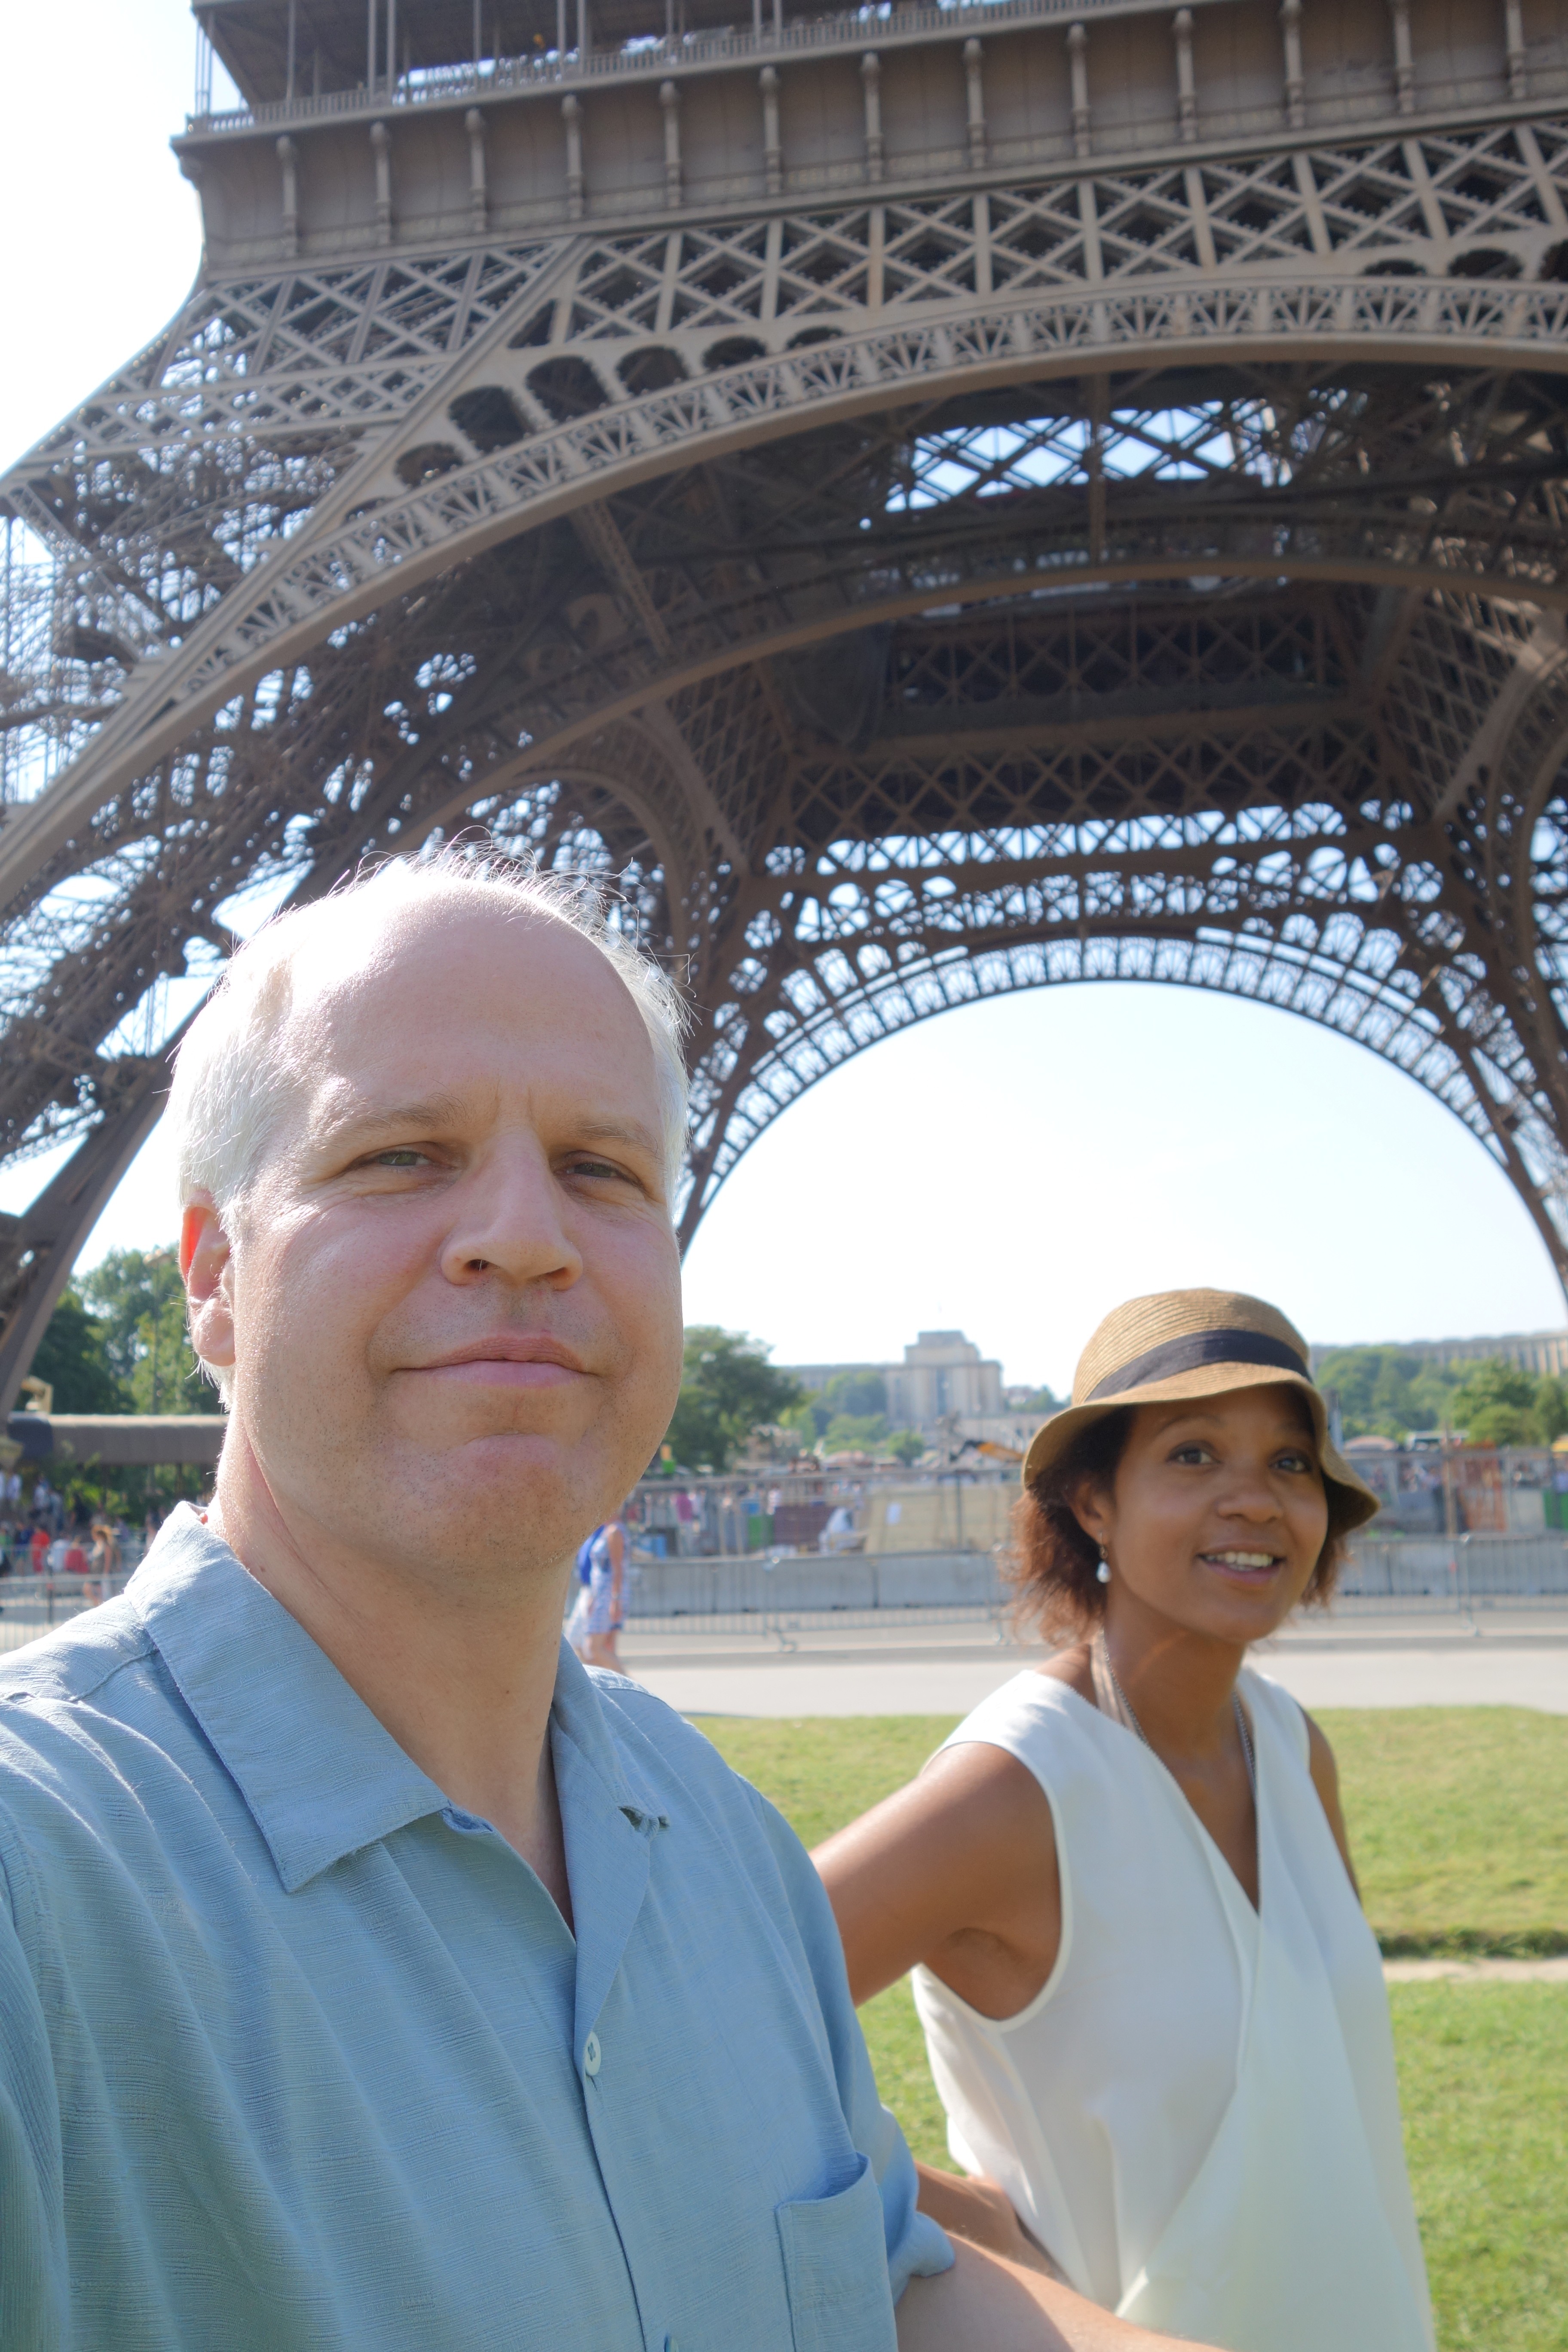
(1153, 2010)
(600, 1609)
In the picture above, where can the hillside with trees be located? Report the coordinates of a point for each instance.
(1391, 1392)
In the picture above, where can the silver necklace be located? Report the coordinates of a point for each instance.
(1131, 1713)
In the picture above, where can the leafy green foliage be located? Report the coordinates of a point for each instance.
(117, 1341)
(855, 1432)
(1551, 1407)
(73, 1357)
(1388, 1392)
(905, 1446)
(861, 1396)
(139, 1297)
(850, 1403)
(1495, 1405)
(1040, 1400)
(727, 1388)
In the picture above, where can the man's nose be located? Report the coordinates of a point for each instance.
(508, 1221)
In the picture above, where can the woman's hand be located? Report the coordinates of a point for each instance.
(970, 2206)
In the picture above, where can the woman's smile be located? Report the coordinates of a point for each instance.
(1244, 1567)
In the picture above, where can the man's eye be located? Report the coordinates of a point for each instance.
(402, 1156)
(596, 1167)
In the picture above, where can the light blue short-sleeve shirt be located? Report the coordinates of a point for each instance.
(295, 2056)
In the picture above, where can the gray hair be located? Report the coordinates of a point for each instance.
(234, 1076)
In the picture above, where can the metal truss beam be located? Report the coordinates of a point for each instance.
(1148, 566)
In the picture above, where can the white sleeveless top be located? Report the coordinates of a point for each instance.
(1197, 2115)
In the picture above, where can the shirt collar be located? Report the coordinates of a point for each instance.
(321, 1776)
(578, 1713)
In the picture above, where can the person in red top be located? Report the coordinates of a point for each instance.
(75, 1562)
(38, 1547)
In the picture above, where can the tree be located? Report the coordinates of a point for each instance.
(863, 1394)
(727, 1388)
(1041, 1400)
(906, 1445)
(1551, 1407)
(73, 1357)
(1387, 1391)
(855, 1432)
(1496, 1404)
(139, 1297)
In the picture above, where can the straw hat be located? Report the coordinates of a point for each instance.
(1181, 1344)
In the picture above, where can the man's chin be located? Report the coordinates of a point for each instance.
(517, 1470)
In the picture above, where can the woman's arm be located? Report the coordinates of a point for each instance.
(958, 1869)
(970, 2206)
(985, 2304)
(1325, 1775)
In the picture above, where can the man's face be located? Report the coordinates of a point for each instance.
(455, 1290)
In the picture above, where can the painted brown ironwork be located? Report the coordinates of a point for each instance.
(917, 521)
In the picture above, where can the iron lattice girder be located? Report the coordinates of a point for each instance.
(357, 548)
(764, 594)
(904, 614)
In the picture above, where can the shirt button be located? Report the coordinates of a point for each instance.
(591, 2055)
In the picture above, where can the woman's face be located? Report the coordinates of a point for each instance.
(1217, 1513)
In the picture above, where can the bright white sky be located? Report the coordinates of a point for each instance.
(1012, 1169)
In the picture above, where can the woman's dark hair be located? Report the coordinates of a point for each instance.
(1052, 1564)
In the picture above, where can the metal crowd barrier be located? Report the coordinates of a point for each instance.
(1465, 1573)
(30, 1605)
(778, 1597)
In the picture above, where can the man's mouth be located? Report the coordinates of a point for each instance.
(508, 1359)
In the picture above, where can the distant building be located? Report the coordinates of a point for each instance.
(1529, 1351)
(942, 1374)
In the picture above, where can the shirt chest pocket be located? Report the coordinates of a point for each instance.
(836, 2270)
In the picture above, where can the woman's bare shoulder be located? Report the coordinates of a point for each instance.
(1072, 1666)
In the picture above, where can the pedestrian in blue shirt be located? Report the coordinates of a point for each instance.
(373, 1977)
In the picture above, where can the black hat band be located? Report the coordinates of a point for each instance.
(1199, 1347)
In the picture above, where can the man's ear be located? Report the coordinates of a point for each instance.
(205, 1263)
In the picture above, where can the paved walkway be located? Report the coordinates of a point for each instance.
(1518, 1660)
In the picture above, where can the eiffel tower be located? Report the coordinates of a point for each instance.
(927, 501)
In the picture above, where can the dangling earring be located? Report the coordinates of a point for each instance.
(1104, 1571)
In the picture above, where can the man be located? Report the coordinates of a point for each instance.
(371, 1975)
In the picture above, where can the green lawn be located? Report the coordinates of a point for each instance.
(1458, 1821)
(1458, 1818)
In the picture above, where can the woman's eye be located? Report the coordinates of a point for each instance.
(1295, 1461)
(1188, 1453)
